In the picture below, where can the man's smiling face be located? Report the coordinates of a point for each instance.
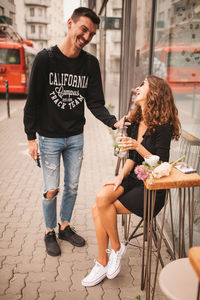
(81, 31)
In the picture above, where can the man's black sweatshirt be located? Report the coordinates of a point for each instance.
(58, 88)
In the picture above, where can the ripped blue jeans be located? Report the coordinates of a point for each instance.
(51, 151)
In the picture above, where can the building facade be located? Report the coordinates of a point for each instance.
(7, 9)
(159, 37)
(41, 21)
(37, 20)
(56, 25)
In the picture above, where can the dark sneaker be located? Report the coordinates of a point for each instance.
(51, 244)
(70, 235)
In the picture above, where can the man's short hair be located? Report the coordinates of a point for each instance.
(85, 12)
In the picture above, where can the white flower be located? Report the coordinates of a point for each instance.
(163, 169)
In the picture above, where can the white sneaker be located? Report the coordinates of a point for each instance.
(97, 274)
(114, 264)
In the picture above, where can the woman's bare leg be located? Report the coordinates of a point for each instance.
(102, 237)
(102, 268)
(107, 212)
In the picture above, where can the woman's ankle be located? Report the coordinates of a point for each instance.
(102, 262)
(116, 247)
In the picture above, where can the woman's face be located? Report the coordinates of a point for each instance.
(141, 92)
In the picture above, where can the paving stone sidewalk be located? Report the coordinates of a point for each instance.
(26, 271)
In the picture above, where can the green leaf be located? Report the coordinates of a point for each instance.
(145, 164)
(176, 161)
(116, 146)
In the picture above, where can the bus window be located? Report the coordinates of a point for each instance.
(9, 56)
(184, 59)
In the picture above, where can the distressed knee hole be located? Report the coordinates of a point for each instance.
(51, 194)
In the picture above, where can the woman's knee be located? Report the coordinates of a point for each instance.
(102, 199)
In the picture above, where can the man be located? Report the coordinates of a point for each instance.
(62, 79)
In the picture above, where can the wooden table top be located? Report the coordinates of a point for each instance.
(176, 179)
(194, 257)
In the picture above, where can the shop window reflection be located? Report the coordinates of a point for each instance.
(177, 56)
(110, 52)
(177, 59)
(142, 40)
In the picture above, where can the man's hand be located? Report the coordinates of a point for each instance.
(120, 123)
(33, 148)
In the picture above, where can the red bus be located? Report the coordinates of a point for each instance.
(16, 58)
(179, 65)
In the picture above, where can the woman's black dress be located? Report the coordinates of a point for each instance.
(158, 143)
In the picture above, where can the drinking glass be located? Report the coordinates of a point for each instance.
(121, 132)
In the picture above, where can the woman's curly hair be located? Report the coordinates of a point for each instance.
(160, 107)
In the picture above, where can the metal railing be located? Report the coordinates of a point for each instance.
(7, 96)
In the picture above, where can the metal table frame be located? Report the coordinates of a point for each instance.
(184, 182)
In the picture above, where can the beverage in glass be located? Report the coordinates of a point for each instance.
(121, 132)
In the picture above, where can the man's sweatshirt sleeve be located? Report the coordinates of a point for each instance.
(95, 97)
(38, 79)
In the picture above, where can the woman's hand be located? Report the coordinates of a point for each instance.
(116, 181)
(127, 143)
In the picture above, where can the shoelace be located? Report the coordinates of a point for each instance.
(113, 256)
(71, 229)
(51, 235)
(97, 265)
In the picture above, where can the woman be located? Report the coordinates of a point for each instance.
(154, 122)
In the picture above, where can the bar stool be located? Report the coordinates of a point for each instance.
(178, 280)
(194, 257)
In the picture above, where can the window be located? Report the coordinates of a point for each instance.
(183, 58)
(40, 29)
(1, 11)
(40, 11)
(9, 56)
(32, 28)
(12, 16)
(32, 12)
(178, 41)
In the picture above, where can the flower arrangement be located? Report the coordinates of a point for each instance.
(145, 171)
